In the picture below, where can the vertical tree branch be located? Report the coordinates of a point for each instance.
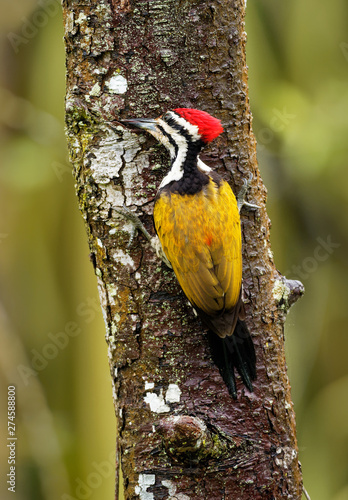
(180, 432)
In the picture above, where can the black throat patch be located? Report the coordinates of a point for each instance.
(193, 179)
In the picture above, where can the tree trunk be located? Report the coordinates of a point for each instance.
(181, 435)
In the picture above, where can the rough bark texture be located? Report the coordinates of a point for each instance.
(181, 435)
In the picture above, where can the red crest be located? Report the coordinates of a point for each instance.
(208, 126)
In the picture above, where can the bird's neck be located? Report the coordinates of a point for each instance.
(185, 175)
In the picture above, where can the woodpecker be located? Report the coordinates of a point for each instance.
(196, 218)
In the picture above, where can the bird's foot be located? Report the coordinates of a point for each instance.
(241, 203)
(137, 225)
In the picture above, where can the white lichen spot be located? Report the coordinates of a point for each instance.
(123, 258)
(117, 84)
(156, 402)
(103, 299)
(144, 482)
(114, 394)
(112, 293)
(137, 276)
(114, 197)
(108, 158)
(81, 19)
(130, 153)
(117, 318)
(287, 405)
(129, 177)
(69, 23)
(99, 242)
(280, 291)
(173, 394)
(149, 385)
(171, 486)
(270, 253)
(95, 91)
(285, 457)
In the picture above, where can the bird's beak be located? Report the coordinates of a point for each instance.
(143, 123)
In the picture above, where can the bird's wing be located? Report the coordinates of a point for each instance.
(201, 237)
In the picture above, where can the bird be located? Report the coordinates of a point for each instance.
(197, 222)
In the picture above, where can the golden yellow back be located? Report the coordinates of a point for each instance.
(201, 237)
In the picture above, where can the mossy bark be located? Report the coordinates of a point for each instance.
(181, 435)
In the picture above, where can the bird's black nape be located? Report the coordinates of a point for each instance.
(236, 351)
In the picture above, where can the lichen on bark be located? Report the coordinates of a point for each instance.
(140, 58)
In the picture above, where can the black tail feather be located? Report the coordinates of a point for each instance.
(236, 351)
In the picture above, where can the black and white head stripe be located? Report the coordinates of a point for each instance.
(185, 128)
(179, 136)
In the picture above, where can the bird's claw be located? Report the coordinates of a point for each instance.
(241, 203)
(138, 225)
(135, 222)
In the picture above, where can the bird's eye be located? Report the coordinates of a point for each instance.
(168, 117)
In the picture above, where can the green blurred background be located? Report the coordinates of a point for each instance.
(51, 329)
